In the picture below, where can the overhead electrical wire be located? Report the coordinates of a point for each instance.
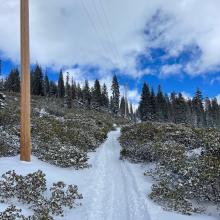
(102, 23)
(95, 27)
(105, 30)
(110, 28)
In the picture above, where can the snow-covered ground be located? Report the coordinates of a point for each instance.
(112, 189)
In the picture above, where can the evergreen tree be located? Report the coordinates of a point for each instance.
(105, 99)
(153, 104)
(79, 92)
(111, 104)
(12, 83)
(96, 95)
(37, 81)
(73, 90)
(198, 110)
(215, 113)
(61, 88)
(68, 97)
(126, 107)
(208, 113)
(86, 94)
(131, 112)
(145, 104)
(168, 108)
(122, 106)
(115, 95)
(160, 105)
(180, 109)
(46, 85)
(53, 89)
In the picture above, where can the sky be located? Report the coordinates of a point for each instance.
(168, 42)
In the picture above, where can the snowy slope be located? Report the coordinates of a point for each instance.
(112, 189)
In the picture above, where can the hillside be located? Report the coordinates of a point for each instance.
(185, 163)
(60, 136)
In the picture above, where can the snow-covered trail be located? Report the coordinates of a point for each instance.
(114, 186)
(112, 189)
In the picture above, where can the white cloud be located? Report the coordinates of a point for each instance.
(186, 95)
(62, 34)
(168, 70)
(216, 79)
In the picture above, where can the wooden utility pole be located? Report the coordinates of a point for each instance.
(25, 82)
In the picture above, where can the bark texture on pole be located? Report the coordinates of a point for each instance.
(25, 82)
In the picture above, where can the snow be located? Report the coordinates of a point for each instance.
(194, 152)
(112, 189)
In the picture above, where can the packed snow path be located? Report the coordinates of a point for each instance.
(114, 186)
(112, 189)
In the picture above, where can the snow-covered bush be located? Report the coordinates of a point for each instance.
(30, 189)
(187, 162)
(60, 136)
(12, 213)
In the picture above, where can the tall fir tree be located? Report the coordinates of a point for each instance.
(73, 89)
(61, 87)
(153, 104)
(46, 85)
(180, 109)
(79, 92)
(86, 94)
(105, 99)
(122, 106)
(198, 110)
(96, 94)
(68, 96)
(215, 113)
(208, 113)
(160, 105)
(115, 95)
(145, 104)
(37, 81)
(12, 83)
(131, 112)
(53, 89)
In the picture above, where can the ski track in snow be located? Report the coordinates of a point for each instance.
(112, 189)
(116, 193)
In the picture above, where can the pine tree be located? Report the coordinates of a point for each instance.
(68, 97)
(145, 104)
(73, 90)
(79, 93)
(208, 113)
(105, 99)
(153, 104)
(115, 95)
(61, 88)
(86, 93)
(111, 104)
(160, 105)
(180, 109)
(198, 109)
(53, 89)
(122, 106)
(12, 83)
(37, 81)
(46, 85)
(215, 113)
(126, 107)
(96, 95)
(131, 112)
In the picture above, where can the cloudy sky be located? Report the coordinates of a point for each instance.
(175, 43)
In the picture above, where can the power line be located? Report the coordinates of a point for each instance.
(110, 28)
(105, 30)
(95, 27)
